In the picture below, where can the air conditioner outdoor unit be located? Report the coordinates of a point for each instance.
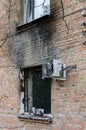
(54, 69)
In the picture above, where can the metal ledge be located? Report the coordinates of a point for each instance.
(24, 27)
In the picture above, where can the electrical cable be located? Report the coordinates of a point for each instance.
(63, 17)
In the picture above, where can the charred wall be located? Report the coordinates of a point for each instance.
(38, 41)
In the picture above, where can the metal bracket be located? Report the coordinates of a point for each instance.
(70, 67)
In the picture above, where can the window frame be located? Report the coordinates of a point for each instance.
(26, 71)
(24, 115)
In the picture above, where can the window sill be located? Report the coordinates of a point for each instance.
(46, 119)
(24, 27)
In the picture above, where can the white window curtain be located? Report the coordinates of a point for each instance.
(25, 2)
(27, 11)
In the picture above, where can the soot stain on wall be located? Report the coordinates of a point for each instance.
(36, 44)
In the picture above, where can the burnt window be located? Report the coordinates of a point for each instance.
(34, 9)
(37, 91)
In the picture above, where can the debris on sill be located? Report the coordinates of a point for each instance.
(45, 118)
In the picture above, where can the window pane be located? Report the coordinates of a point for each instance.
(41, 8)
(34, 9)
(41, 92)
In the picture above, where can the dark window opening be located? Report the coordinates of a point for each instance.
(37, 91)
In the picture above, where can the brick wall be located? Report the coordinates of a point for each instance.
(45, 39)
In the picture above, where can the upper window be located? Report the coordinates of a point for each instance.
(34, 9)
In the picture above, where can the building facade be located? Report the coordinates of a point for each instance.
(33, 33)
